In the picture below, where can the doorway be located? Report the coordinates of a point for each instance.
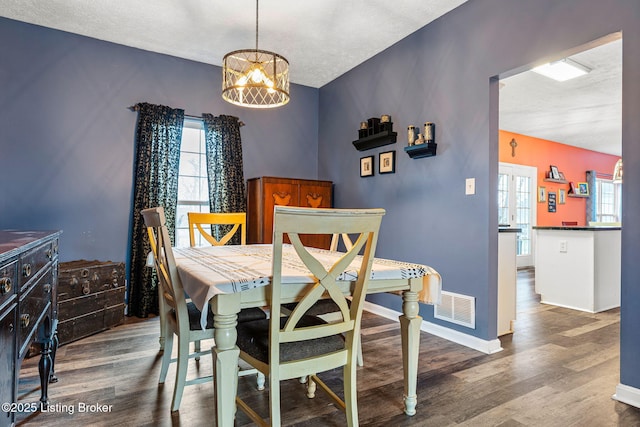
(572, 113)
(517, 207)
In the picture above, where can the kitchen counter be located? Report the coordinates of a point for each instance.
(578, 267)
(578, 228)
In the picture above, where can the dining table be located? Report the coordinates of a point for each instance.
(230, 278)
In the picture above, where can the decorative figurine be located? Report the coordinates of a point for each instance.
(411, 134)
(429, 132)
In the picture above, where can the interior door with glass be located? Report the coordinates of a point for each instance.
(517, 207)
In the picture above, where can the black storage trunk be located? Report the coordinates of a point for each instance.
(90, 298)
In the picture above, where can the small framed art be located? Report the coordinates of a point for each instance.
(551, 204)
(387, 162)
(582, 188)
(542, 194)
(562, 196)
(366, 166)
(553, 172)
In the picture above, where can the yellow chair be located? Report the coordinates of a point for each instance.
(301, 344)
(236, 219)
(178, 316)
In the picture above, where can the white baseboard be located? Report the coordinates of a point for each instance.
(487, 347)
(628, 395)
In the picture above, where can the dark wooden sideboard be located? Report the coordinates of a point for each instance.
(266, 192)
(28, 313)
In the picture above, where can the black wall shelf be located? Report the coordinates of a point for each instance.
(421, 150)
(376, 140)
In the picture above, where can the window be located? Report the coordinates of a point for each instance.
(517, 208)
(193, 189)
(608, 207)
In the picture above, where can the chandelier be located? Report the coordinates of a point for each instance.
(255, 78)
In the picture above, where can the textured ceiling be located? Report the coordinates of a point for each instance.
(321, 39)
(585, 112)
(324, 39)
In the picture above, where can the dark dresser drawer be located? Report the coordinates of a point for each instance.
(33, 261)
(8, 281)
(33, 305)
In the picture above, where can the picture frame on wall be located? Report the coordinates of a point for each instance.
(387, 162)
(562, 196)
(582, 188)
(551, 205)
(542, 194)
(366, 166)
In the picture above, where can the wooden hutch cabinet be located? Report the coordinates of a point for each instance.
(266, 192)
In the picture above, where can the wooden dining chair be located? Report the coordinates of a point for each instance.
(236, 221)
(300, 344)
(326, 307)
(181, 318)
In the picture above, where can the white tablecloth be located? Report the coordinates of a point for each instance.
(210, 270)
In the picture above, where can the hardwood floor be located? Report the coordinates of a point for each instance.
(560, 368)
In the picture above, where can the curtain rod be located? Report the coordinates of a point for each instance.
(189, 116)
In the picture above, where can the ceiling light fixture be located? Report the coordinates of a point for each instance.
(255, 78)
(562, 70)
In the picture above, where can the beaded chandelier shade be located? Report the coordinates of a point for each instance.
(255, 78)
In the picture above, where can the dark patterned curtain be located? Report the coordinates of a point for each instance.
(158, 137)
(224, 167)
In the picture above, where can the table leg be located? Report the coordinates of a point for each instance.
(225, 361)
(410, 326)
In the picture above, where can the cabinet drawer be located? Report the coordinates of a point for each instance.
(8, 281)
(32, 306)
(35, 260)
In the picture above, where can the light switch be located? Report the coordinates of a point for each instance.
(563, 246)
(470, 186)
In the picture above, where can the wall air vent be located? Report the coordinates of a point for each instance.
(457, 308)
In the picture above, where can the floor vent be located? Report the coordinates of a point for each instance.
(457, 308)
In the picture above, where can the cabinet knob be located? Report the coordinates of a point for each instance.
(24, 320)
(5, 285)
(26, 270)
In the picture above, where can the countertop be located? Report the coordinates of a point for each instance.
(576, 228)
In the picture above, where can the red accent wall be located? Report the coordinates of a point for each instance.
(572, 161)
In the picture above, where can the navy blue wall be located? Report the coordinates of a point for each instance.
(442, 74)
(67, 137)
